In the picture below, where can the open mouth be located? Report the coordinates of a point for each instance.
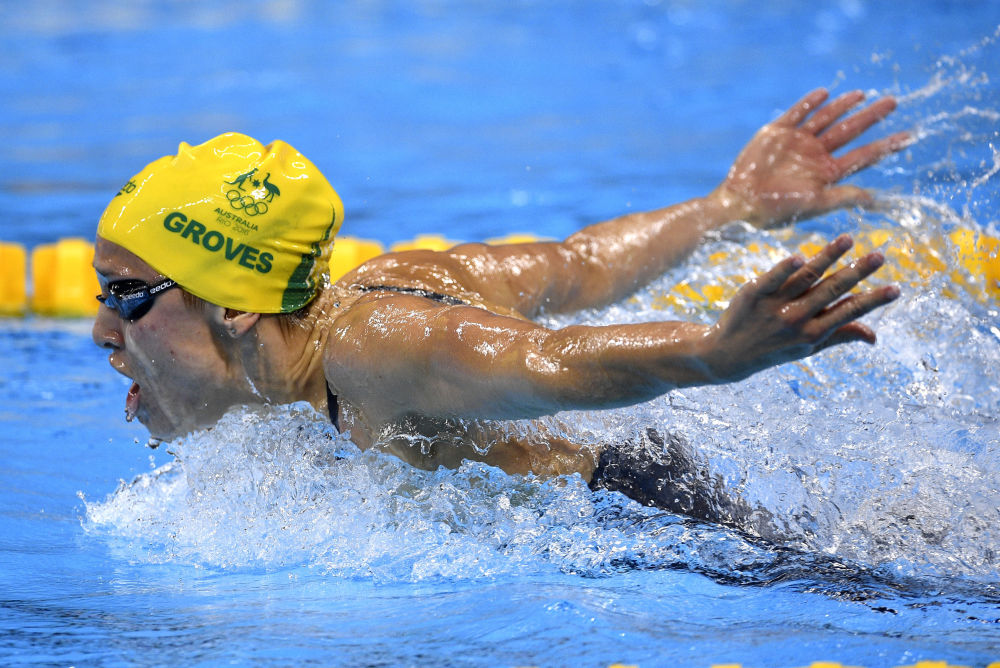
(132, 402)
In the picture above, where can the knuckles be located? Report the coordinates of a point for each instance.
(814, 334)
(790, 316)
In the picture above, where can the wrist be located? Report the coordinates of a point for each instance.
(729, 206)
(710, 357)
(695, 357)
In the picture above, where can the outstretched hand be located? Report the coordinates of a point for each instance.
(788, 172)
(791, 312)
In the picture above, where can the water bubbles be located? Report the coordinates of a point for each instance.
(277, 487)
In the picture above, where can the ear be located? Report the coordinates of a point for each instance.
(234, 323)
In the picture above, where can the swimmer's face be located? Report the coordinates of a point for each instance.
(181, 379)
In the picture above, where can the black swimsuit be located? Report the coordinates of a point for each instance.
(661, 471)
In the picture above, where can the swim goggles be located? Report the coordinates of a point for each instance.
(131, 297)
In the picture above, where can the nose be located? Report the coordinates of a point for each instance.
(107, 331)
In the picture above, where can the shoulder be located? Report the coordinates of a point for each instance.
(404, 268)
(385, 345)
(467, 274)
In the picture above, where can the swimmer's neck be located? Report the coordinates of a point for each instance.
(282, 359)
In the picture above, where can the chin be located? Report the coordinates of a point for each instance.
(164, 427)
(158, 431)
(168, 431)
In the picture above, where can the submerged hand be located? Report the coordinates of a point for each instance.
(788, 172)
(792, 312)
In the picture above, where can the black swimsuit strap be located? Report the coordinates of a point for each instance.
(419, 292)
(332, 408)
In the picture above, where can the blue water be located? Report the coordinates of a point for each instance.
(270, 540)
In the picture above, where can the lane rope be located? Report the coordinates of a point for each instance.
(63, 284)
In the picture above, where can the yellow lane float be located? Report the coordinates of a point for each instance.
(515, 238)
(13, 291)
(351, 252)
(970, 261)
(63, 279)
(434, 242)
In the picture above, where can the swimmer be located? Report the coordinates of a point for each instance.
(213, 294)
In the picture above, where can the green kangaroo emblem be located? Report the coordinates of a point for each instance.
(242, 178)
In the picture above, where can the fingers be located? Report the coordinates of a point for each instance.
(792, 311)
(840, 318)
(817, 299)
(797, 113)
(849, 129)
(812, 271)
(825, 117)
(852, 331)
(772, 280)
(792, 277)
(836, 285)
(834, 136)
(868, 155)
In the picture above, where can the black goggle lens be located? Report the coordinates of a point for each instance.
(131, 297)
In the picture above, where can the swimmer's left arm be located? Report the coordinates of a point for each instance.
(397, 356)
(787, 172)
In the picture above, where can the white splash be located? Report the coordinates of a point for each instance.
(278, 487)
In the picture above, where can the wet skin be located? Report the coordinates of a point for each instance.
(403, 363)
(188, 369)
(181, 381)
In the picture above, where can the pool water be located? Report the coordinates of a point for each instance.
(270, 540)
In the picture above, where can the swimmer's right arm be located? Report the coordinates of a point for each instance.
(394, 356)
(787, 172)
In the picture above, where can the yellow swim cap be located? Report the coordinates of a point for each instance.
(240, 224)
